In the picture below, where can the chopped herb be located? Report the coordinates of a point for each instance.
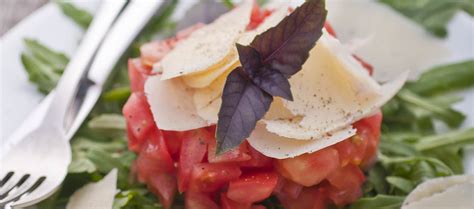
(265, 71)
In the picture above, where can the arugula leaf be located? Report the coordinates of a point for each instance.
(81, 17)
(450, 116)
(136, 198)
(453, 76)
(228, 3)
(402, 184)
(44, 76)
(111, 125)
(379, 202)
(433, 15)
(376, 177)
(117, 94)
(56, 60)
(459, 137)
(272, 58)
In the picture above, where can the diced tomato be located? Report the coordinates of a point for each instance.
(369, 129)
(345, 150)
(352, 150)
(173, 141)
(227, 203)
(373, 123)
(253, 187)
(139, 119)
(209, 177)
(238, 154)
(257, 159)
(212, 129)
(154, 51)
(364, 64)
(309, 198)
(345, 185)
(290, 188)
(156, 153)
(330, 29)
(343, 197)
(196, 200)
(137, 73)
(258, 207)
(193, 150)
(349, 176)
(164, 186)
(309, 169)
(257, 17)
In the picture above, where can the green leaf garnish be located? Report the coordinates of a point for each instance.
(433, 15)
(272, 58)
(43, 65)
(453, 76)
(81, 17)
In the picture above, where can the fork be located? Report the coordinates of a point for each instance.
(35, 167)
(37, 164)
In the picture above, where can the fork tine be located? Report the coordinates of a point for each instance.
(23, 196)
(11, 183)
(5, 179)
(26, 182)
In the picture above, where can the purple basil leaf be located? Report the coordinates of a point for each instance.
(243, 104)
(271, 81)
(250, 60)
(286, 46)
(272, 58)
(274, 83)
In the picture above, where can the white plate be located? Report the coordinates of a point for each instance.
(18, 96)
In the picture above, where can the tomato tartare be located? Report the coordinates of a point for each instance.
(184, 162)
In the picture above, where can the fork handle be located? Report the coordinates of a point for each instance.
(67, 86)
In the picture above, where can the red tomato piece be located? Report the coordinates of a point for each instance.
(342, 197)
(164, 186)
(253, 187)
(209, 177)
(309, 169)
(212, 129)
(238, 154)
(330, 29)
(173, 141)
(154, 51)
(291, 189)
(369, 129)
(257, 159)
(346, 150)
(137, 73)
(158, 151)
(227, 203)
(196, 200)
(193, 150)
(309, 198)
(139, 119)
(257, 17)
(345, 185)
(154, 157)
(258, 207)
(349, 176)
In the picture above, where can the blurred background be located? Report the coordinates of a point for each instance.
(12, 11)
